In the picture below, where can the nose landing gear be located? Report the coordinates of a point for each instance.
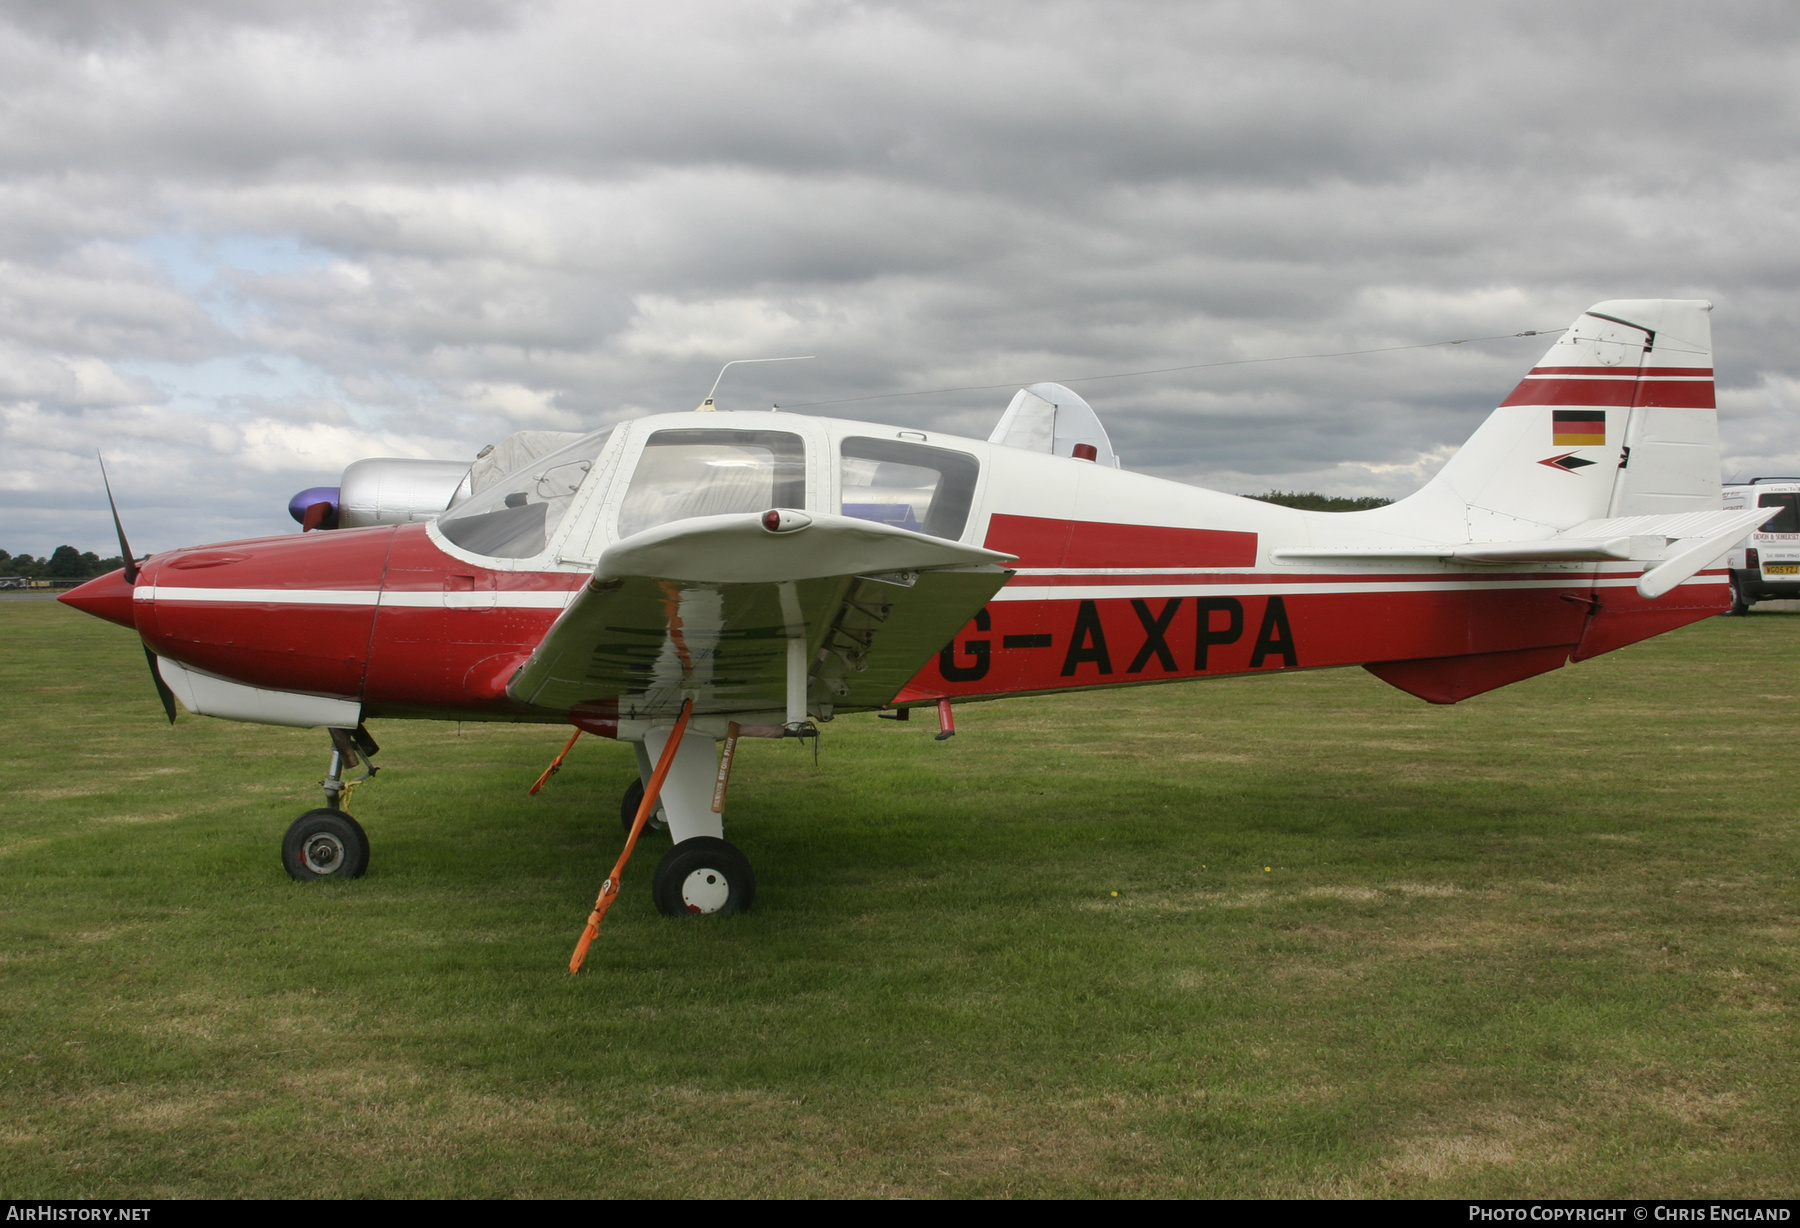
(328, 842)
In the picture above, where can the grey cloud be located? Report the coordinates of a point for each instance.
(97, 300)
(567, 213)
(103, 23)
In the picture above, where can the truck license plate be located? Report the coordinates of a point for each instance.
(1781, 569)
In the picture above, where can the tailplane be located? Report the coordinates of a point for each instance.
(1607, 451)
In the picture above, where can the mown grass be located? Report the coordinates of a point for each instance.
(1540, 943)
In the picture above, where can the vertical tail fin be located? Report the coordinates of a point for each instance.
(1617, 420)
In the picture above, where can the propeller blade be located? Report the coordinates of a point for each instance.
(162, 688)
(131, 574)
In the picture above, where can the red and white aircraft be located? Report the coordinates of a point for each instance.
(731, 573)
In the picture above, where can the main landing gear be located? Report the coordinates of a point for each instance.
(328, 842)
(703, 874)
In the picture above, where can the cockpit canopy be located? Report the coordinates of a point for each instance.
(515, 518)
(681, 472)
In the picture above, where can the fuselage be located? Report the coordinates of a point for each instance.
(1121, 579)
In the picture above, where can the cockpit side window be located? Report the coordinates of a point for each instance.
(688, 473)
(1787, 520)
(515, 518)
(925, 489)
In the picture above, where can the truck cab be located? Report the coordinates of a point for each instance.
(1765, 566)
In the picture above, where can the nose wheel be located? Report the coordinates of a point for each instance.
(703, 877)
(325, 844)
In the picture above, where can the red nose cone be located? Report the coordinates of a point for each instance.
(107, 596)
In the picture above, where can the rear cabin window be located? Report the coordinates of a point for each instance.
(683, 474)
(1787, 520)
(909, 485)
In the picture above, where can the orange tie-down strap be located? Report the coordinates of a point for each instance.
(609, 890)
(555, 765)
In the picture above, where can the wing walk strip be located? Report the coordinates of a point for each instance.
(1098, 588)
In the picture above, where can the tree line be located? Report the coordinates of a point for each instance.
(63, 563)
(1312, 501)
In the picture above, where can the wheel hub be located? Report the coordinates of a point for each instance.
(324, 853)
(705, 891)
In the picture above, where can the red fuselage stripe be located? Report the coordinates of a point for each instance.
(1041, 542)
(1674, 394)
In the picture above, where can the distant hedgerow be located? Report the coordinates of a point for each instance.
(1312, 501)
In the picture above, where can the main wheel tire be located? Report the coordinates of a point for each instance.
(628, 808)
(703, 877)
(325, 843)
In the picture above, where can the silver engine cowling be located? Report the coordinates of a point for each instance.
(398, 490)
(394, 490)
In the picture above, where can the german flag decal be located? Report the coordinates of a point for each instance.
(1578, 428)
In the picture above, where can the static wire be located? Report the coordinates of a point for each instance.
(1194, 366)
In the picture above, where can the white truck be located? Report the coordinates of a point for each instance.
(1766, 565)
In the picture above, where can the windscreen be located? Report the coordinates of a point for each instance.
(910, 485)
(690, 473)
(514, 518)
(1787, 520)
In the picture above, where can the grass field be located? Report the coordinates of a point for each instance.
(1542, 943)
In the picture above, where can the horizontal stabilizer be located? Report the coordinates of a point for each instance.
(1676, 525)
(1687, 555)
(1559, 549)
(1679, 544)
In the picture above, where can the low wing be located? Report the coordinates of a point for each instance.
(705, 607)
(1679, 545)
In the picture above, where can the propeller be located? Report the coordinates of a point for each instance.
(131, 567)
(131, 574)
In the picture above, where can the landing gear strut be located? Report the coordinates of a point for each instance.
(704, 874)
(328, 842)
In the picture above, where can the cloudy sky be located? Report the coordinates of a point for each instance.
(243, 244)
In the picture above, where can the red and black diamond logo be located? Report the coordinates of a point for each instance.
(1568, 462)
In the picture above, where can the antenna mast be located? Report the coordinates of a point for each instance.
(707, 405)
